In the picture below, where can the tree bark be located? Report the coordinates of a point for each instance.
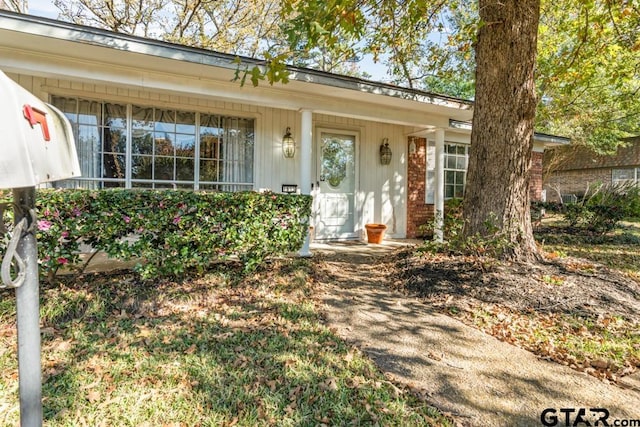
(497, 191)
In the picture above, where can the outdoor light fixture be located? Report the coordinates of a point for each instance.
(385, 152)
(288, 144)
(412, 146)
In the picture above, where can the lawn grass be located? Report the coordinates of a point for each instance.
(219, 350)
(606, 347)
(619, 249)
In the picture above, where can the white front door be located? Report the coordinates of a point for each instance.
(335, 197)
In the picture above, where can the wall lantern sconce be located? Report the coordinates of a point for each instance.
(412, 146)
(288, 144)
(385, 152)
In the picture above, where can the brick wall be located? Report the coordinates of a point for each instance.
(574, 182)
(535, 181)
(418, 213)
(572, 169)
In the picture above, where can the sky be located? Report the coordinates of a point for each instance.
(43, 8)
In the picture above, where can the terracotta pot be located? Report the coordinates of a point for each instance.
(375, 232)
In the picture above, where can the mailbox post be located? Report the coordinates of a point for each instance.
(37, 147)
(28, 316)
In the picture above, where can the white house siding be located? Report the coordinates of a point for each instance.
(381, 195)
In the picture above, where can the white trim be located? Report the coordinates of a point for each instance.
(439, 186)
(306, 166)
(57, 31)
(128, 148)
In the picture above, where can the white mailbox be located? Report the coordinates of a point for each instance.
(36, 139)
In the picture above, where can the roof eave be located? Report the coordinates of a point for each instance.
(544, 138)
(47, 27)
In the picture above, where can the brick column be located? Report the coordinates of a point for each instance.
(535, 180)
(418, 213)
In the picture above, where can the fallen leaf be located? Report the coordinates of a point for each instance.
(331, 383)
(599, 364)
(434, 356)
(93, 396)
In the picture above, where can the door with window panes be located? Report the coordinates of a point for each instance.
(336, 185)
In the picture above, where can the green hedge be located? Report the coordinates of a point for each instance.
(172, 232)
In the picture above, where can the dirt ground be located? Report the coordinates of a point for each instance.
(566, 285)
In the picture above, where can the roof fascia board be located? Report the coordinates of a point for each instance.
(546, 139)
(51, 65)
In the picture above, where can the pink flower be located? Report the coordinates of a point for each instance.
(176, 220)
(63, 260)
(126, 219)
(44, 225)
(64, 234)
(76, 212)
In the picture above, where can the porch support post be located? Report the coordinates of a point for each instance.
(306, 138)
(438, 196)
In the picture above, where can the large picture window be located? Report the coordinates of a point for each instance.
(456, 157)
(145, 147)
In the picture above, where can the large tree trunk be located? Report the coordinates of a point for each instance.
(497, 191)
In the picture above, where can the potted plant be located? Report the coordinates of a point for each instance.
(375, 232)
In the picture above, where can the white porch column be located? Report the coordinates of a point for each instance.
(306, 139)
(438, 194)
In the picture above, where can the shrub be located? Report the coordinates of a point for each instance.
(455, 242)
(602, 210)
(452, 222)
(171, 232)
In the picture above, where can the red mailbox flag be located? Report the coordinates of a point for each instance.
(35, 116)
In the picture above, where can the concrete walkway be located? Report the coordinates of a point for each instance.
(475, 377)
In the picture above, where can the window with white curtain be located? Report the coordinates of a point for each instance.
(168, 148)
(100, 133)
(226, 153)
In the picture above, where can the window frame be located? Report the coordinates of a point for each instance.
(635, 172)
(430, 169)
(247, 160)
